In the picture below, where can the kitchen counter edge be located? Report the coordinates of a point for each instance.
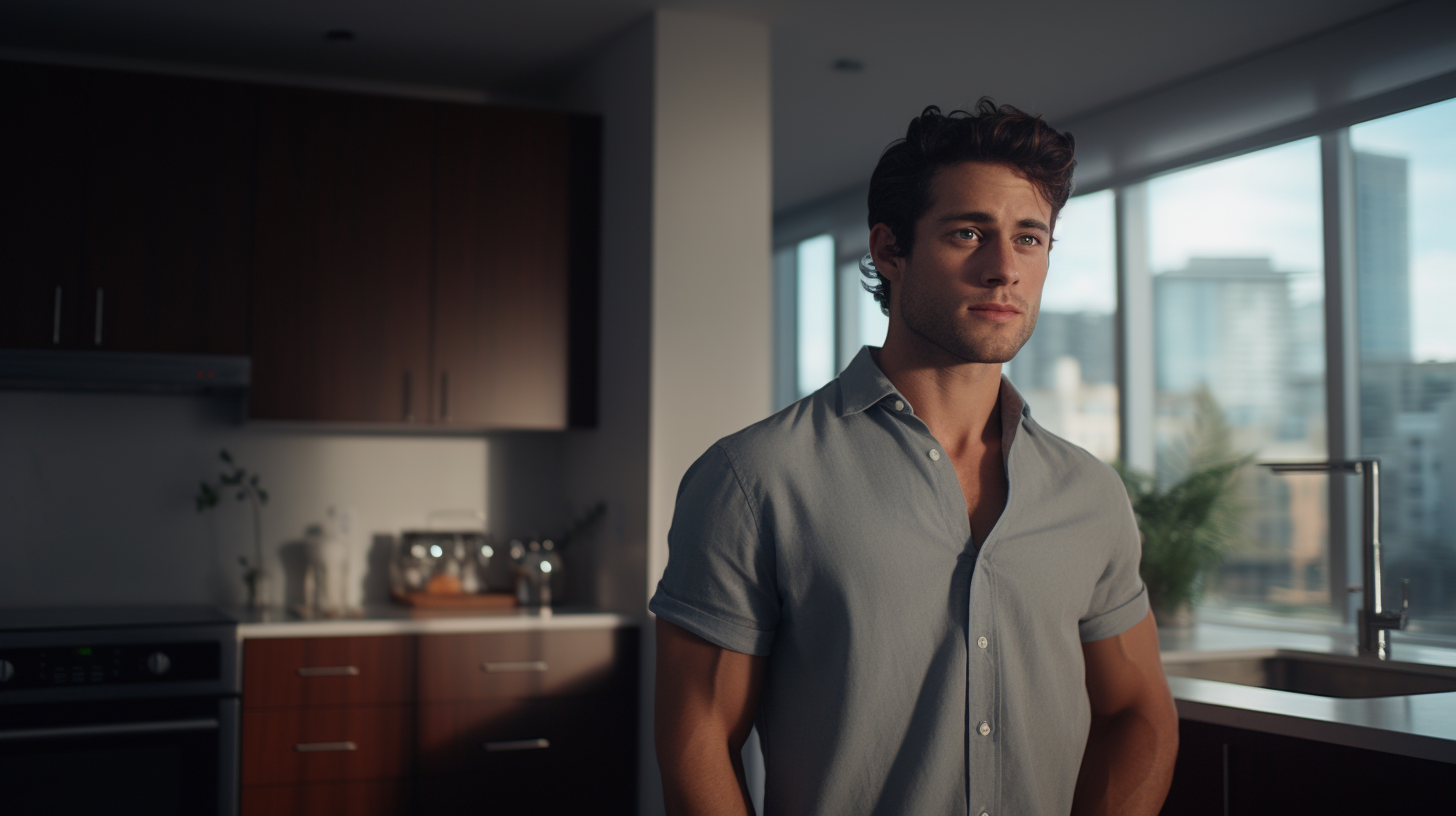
(1422, 726)
(402, 622)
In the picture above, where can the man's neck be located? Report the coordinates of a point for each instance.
(958, 401)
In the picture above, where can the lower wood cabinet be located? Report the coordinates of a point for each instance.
(559, 755)
(1223, 770)
(289, 746)
(541, 722)
(374, 798)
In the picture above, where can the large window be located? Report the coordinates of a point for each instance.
(1236, 249)
(1066, 370)
(1405, 264)
(1222, 269)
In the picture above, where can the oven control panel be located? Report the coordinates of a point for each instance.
(108, 664)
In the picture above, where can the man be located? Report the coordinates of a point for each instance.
(926, 602)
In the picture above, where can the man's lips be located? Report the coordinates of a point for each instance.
(998, 312)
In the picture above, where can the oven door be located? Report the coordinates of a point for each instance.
(169, 756)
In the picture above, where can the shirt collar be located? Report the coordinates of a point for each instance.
(862, 385)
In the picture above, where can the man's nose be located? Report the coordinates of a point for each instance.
(995, 264)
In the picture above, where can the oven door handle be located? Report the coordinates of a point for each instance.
(109, 729)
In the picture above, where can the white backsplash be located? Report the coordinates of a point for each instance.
(96, 495)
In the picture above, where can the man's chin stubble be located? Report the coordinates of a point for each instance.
(965, 350)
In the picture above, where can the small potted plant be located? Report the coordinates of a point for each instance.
(1188, 521)
(246, 487)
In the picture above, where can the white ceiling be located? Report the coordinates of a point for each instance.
(1057, 57)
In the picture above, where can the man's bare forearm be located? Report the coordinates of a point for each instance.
(705, 779)
(703, 712)
(1128, 764)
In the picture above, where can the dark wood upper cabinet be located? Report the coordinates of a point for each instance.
(169, 214)
(341, 281)
(502, 238)
(383, 261)
(42, 200)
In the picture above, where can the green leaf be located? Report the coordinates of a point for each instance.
(226, 457)
(262, 496)
(242, 494)
(254, 481)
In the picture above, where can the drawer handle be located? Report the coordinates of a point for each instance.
(514, 666)
(518, 745)
(329, 671)
(321, 747)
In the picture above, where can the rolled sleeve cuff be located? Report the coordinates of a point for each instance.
(1115, 621)
(734, 637)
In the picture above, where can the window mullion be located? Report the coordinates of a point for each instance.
(1134, 328)
(1342, 344)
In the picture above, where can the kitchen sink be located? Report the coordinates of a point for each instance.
(1326, 675)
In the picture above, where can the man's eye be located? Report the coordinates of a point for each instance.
(966, 234)
(1028, 240)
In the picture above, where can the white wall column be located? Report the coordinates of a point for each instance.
(686, 307)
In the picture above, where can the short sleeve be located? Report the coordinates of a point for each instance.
(1120, 599)
(719, 582)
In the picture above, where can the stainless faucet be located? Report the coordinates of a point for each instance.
(1374, 621)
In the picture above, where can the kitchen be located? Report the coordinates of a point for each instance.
(100, 485)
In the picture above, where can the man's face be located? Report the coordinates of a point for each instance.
(972, 285)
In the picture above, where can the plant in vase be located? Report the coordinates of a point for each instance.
(1189, 520)
(248, 490)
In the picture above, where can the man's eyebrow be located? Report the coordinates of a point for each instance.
(978, 217)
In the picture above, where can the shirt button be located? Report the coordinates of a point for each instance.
(984, 728)
(934, 455)
(899, 405)
(981, 641)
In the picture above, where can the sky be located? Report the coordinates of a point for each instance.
(1267, 204)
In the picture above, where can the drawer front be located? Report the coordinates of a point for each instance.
(341, 671)
(526, 664)
(546, 755)
(389, 797)
(285, 747)
(511, 736)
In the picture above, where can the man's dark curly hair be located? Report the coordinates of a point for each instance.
(900, 186)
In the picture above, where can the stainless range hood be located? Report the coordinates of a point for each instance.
(47, 370)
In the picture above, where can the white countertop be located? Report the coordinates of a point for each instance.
(1418, 725)
(400, 620)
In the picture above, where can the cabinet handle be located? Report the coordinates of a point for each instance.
(56, 320)
(406, 413)
(444, 396)
(100, 301)
(322, 747)
(517, 745)
(329, 671)
(513, 666)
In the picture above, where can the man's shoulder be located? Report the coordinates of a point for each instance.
(1060, 461)
(783, 437)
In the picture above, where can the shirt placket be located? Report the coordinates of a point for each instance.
(982, 692)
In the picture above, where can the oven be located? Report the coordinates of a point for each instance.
(120, 718)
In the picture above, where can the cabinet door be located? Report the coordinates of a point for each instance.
(328, 671)
(287, 746)
(526, 664)
(341, 295)
(380, 797)
(42, 176)
(502, 240)
(544, 756)
(1224, 770)
(168, 214)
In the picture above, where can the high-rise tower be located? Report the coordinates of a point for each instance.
(1382, 256)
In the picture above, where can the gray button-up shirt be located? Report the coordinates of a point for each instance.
(911, 669)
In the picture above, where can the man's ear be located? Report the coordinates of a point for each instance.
(888, 260)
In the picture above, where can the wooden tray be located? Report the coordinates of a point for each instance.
(485, 600)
